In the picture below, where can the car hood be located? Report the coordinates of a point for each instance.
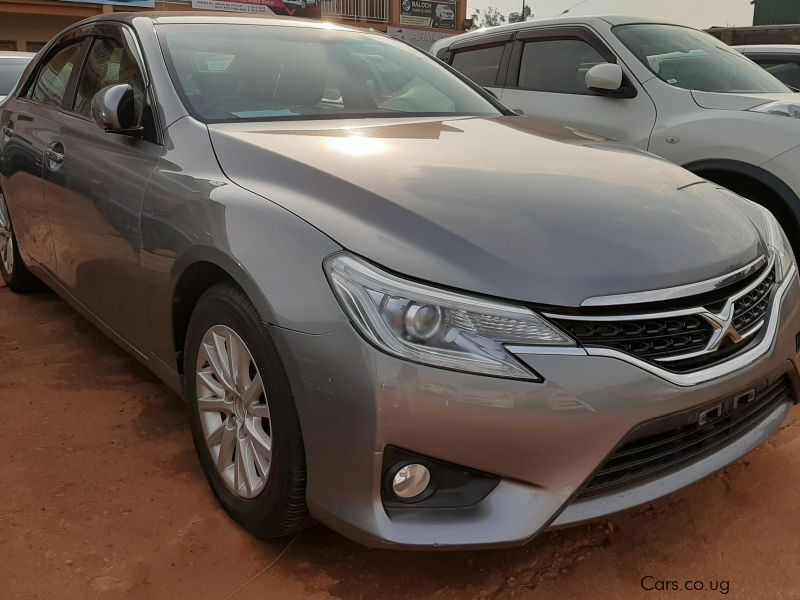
(739, 101)
(510, 207)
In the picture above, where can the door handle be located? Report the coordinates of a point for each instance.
(55, 155)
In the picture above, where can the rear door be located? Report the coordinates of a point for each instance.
(484, 60)
(94, 184)
(29, 124)
(547, 79)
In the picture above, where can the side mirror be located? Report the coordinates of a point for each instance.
(116, 109)
(606, 77)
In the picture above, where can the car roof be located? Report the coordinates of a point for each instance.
(212, 17)
(770, 48)
(14, 54)
(613, 20)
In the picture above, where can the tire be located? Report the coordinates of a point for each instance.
(279, 507)
(14, 272)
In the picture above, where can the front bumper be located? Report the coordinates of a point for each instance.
(544, 440)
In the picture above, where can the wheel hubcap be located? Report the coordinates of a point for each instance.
(234, 411)
(6, 239)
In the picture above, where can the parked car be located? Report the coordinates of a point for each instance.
(408, 313)
(12, 64)
(444, 15)
(674, 91)
(783, 61)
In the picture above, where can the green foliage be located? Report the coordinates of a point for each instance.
(491, 17)
(516, 17)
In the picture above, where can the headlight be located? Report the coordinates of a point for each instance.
(436, 327)
(780, 108)
(779, 243)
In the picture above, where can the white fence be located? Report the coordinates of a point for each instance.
(376, 11)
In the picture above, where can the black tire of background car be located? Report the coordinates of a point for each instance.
(280, 509)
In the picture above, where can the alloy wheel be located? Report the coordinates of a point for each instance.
(6, 238)
(234, 412)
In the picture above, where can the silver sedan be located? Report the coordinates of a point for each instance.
(391, 304)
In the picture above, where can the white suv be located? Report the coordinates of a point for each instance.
(674, 91)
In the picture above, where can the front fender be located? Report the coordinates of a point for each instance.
(192, 213)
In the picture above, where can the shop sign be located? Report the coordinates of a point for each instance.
(135, 3)
(421, 13)
(311, 9)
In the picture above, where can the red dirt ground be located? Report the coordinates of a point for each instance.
(102, 497)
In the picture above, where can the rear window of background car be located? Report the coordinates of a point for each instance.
(10, 70)
(481, 64)
(787, 71)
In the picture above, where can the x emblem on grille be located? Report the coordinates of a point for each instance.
(723, 327)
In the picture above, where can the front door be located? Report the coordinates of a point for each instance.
(94, 183)
(547, 79)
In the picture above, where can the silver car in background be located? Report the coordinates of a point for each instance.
(12, 64)
(781, 60)
(390, 304)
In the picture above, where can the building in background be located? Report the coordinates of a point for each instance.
(26, 25)
(776, 12)
(774, 22)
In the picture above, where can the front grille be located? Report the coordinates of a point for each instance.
(652, 338)
(674, 341)
(665, 445)
(751, 308)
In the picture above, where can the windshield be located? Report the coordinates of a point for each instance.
(10, 70)
(694, 60)
(228, 72)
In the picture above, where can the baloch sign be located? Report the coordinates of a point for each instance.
(311, 9)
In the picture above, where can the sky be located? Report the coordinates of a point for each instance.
(696, 13)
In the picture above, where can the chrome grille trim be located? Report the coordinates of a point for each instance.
(682, 291)
(698, 310)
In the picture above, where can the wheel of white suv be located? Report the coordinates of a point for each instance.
(14, 272)
(243, 417)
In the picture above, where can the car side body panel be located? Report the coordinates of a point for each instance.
(190, 213)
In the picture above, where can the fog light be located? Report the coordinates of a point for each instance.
(411, 481)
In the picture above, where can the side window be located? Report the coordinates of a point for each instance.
(788, 71)
(480, 64)
(108, 63)
(51, 82)
(557, 66)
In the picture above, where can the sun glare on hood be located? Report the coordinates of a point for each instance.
(357, 145)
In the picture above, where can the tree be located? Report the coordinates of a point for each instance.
(526, 15)
(491, 17)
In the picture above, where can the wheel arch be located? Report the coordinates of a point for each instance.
(194, 274)
(756, 184)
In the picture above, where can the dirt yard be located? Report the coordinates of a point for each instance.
(102, 498)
